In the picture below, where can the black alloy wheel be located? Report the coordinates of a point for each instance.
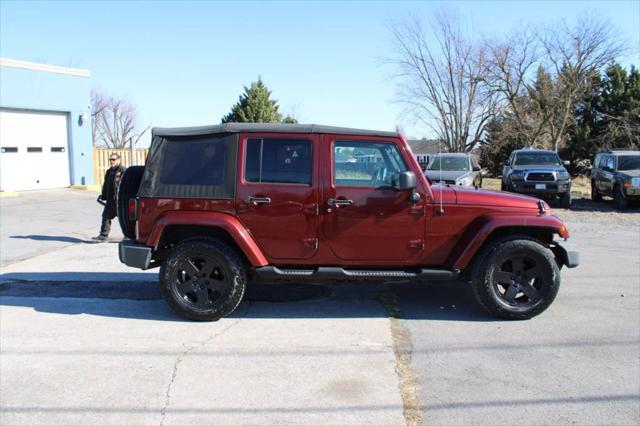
(519, 281)
(516, 277)
(203, 279)
(201, 282)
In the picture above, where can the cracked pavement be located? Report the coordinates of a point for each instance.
(84, 339)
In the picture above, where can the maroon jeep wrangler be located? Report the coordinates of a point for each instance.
(217, 206)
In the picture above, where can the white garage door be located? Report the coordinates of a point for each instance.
(34, 151)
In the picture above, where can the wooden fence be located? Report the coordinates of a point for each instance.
(101, 160)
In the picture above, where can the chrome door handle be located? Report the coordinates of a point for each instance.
(339, 202)
(257, 200)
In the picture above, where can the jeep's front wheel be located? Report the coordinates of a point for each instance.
(203, 279)
(516, 278)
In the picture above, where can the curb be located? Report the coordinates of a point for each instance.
(94, 188)
(4, 194)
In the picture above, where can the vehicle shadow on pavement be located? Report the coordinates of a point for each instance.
(59, 238)
(128, 295)
(605, 206)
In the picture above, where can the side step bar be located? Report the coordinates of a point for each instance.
(338, 273)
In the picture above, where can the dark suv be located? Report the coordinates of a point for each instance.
(538, 172)
(217, 206)
(616, 174)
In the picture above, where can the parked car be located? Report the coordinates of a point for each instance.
(616, 174)
(538, 172)
(454, 169)
(217, 206)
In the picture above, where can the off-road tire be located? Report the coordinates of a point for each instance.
(225, 257)
(595, 195)
(129, 185)
(619, 201)
(565, 199)
(490, 259)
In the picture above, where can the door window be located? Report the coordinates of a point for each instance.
(611, 163)
(273, 160)
(370, 164)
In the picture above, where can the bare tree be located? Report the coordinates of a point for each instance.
(573, 54)
(114, 122)
(510, 68)
(441, 80)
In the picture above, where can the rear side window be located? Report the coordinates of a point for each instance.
(186, 166)
(278, 160)
(194, 163)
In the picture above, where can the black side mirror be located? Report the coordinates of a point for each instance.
(476, 168)
(405, 181)
(506, 163)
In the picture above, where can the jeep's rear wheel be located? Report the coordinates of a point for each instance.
(203, 279)
(516, 278)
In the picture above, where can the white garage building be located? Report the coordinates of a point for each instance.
(45, 126)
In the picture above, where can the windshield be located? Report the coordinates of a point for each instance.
(449, 164)
(629, 162)
(537, 158)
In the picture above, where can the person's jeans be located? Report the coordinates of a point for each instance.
(110, 211)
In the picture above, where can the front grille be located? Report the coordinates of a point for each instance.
(541, 177)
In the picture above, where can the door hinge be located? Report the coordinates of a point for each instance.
(311, 242)
(418, 244)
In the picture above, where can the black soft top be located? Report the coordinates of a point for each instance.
(227, 128)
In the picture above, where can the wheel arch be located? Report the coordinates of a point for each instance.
(174, 227)
(477, 236)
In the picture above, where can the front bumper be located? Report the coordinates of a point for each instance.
(568, 258)
(134, 254)
(555, 187)
(633, 192)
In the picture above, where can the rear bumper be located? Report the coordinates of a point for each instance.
(134, 254)
(568, 258)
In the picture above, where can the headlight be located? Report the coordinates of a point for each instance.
(465, 181)
(563, 174)
(635, 182)
(517, 175)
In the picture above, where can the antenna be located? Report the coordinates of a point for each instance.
(441, 211)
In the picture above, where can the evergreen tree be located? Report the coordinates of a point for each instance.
(608, 116)
(256, 106)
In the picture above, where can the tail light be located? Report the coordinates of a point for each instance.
(133, 209)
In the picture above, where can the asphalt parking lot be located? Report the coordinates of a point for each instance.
(84, 339)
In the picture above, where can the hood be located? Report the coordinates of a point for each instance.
(484, 197)
(434, 175)
(630, 173)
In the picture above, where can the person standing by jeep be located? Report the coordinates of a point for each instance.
(108, 196)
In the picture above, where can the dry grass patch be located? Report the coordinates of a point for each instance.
(580, 186)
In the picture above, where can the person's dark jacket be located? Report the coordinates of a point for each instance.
(111, 182)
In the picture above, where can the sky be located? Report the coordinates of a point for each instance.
(185, 63)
